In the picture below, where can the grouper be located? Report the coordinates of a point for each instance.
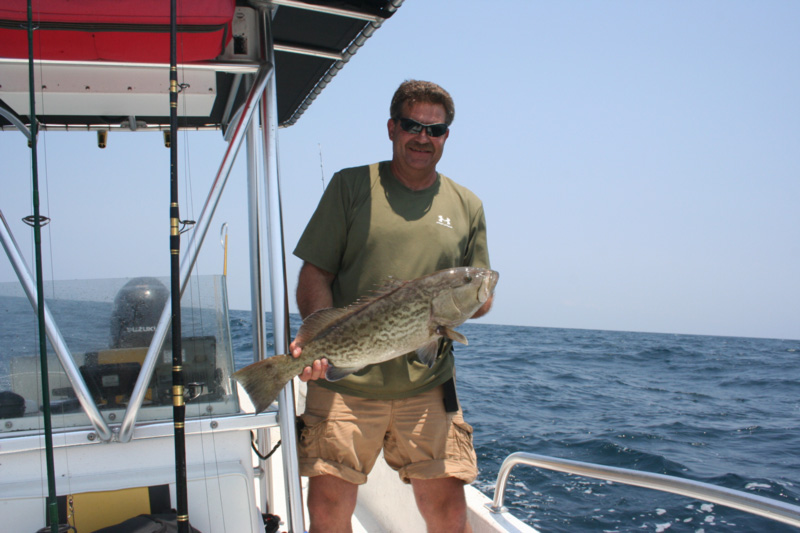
(402, 317)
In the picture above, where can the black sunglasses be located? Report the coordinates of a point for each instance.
(412, 126)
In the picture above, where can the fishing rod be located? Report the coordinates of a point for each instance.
(51, 502)
(178, 401)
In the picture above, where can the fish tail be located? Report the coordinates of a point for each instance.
(264, 380)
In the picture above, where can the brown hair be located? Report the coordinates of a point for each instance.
(413, 91)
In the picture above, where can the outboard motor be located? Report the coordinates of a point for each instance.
(137, 309)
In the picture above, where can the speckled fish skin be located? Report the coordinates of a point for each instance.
(405, 316)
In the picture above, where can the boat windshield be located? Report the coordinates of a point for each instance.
(107, 326)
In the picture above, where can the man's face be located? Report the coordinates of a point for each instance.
(417, 153)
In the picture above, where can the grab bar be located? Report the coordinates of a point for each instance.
(751, 503)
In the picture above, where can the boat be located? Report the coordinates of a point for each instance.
(249, 68)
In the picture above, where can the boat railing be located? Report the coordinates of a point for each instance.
(24, 441)
(751, 503)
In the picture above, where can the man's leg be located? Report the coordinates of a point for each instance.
(442, 504)
(331, 502)
(432, 449)
(338, 446)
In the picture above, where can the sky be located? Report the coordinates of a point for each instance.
(638, 162)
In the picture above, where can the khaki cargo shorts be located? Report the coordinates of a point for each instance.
(343, 436)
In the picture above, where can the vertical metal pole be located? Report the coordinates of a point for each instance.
(256, 289)
(52, 503)
(253, 212)
(278, 291)
(178, 402)
(193, 248)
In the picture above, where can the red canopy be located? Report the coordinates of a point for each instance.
(311, 44)
(118, 30)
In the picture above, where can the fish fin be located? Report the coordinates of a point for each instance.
(452, 334)
(427, 353)
(317, 322)
(264, 380)
(335, 373)
(389, 286)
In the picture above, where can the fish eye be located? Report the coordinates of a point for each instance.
(468, 278)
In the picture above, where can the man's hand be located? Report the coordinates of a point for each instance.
(317, 369)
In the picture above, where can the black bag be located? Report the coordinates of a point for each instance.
(147, 523)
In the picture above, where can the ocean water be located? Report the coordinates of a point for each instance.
(714, 409)
(720, 410)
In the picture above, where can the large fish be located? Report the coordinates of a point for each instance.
(403, 317)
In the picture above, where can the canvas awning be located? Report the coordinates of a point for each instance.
(98, 69)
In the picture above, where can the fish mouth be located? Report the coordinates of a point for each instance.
(490, 278)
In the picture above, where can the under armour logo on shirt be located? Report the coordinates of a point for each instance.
(444, 222)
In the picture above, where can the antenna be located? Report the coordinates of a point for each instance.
(322, 170)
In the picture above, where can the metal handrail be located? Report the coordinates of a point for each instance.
(67, 437)
(231, 67)
(346, 13)
(17, 123)
(751, 503)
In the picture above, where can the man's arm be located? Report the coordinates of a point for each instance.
(313, 289)
(313, 293)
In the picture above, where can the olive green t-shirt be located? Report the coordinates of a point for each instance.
(370, 228)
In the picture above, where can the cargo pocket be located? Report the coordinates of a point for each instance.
(311, 435)
(462, 463)
(459, 442)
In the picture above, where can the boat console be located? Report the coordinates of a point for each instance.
(109, 365)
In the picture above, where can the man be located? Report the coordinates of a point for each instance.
(398, 219)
